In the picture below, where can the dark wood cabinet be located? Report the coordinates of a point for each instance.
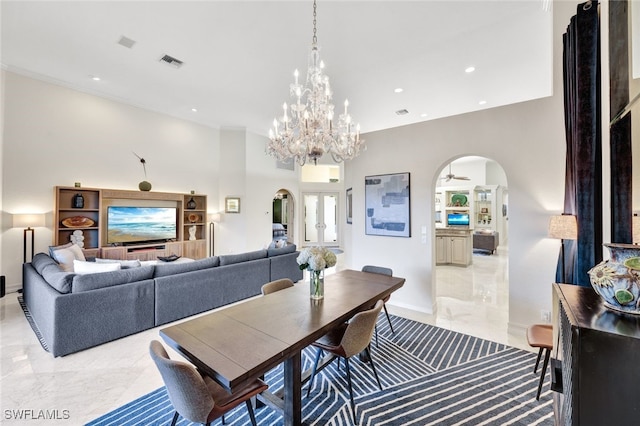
(596, 365)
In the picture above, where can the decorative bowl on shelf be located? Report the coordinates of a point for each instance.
(193, 218)
(77, 222)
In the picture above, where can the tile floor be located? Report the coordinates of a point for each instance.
(92, 382)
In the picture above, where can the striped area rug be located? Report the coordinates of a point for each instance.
(430, 376)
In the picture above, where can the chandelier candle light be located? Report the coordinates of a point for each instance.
(306, 130)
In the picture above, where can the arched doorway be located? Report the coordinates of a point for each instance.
(283, 216)
(471, 286)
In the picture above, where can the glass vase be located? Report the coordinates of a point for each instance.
(316, 282)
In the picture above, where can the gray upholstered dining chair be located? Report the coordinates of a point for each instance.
(277, 285)
(196, 398)
(347, 340)
(382, 271)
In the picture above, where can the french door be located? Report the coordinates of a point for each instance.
(320, 219)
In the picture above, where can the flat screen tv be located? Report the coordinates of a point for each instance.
(127, 225)
(458, 219)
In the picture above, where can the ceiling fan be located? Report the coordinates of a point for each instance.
(450, 176)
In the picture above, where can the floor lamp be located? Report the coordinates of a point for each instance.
(28, 222)
(213, 218)
(563, 227)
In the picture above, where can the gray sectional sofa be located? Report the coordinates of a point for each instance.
(74, 312)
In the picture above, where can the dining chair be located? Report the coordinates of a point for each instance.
(345, 341)
(541, 336)
(382, 271)
(196, 398)
(277, 285)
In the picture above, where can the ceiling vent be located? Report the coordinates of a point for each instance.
(126, 42)
(169, 60)
(402, 112)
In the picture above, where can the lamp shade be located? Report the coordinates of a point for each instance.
(563, 227)
(214, 217)
(28, 220)
(635, 227)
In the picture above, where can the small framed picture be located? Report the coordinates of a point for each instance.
(349, 205)
(232, 205)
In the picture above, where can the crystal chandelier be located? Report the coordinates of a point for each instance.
(306, 130)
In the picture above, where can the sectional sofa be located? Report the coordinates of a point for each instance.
(73, 312)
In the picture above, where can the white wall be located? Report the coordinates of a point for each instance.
(57, 136)
(526, 139)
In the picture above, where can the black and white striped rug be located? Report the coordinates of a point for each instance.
(430, 376)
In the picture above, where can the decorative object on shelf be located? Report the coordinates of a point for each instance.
(484, 210)
(77, 201)
(28, 222)
(563, 227)
(77, 222)
(310, 132)
(77, 238)
(232, 205)
(192, 233)
(459, 200)
(193, 218)
(144, 185)
(316, 260)
(617, 280)
(387, 204)
(191, 204)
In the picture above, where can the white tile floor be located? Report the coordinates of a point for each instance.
(92, 382)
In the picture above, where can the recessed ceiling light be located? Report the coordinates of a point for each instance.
(470, 69)
(94, 77)
(194, 109)
(482, 102)
(424, 114)
(402, 112)
(399, 90)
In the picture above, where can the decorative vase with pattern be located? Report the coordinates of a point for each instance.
(617, 280)
(316, 282)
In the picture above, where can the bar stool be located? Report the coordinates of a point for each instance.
(541, 336)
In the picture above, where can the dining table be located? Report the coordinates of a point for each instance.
(239, 343)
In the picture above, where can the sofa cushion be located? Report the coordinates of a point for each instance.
(40, 260)
(80, 267)
(62, 246)
(57, 278)
(163, 269)
(89, 282)
(65, 256)
(229, 259)
(290, 248)
(124, 264)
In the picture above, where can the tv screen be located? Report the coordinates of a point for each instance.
(458, 219)
(140, 224)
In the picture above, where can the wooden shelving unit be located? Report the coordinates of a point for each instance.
(95, 205)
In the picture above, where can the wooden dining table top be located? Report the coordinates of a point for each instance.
(239, 343)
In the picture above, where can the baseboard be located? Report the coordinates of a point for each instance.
(416, 308)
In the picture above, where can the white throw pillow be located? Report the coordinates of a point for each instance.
(81, 267)
(65, 258)
(123, 263)
(77, 252)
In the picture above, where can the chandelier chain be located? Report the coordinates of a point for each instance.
(315, 38)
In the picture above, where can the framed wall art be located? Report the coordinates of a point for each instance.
(232, 205)
(387, 203)
(349, 204)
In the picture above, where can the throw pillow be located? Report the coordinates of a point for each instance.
(65, 258)
(77, 252)
(81, 267)
(124, 264)
(54, 248)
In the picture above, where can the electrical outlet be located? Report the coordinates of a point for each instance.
(545, 316)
